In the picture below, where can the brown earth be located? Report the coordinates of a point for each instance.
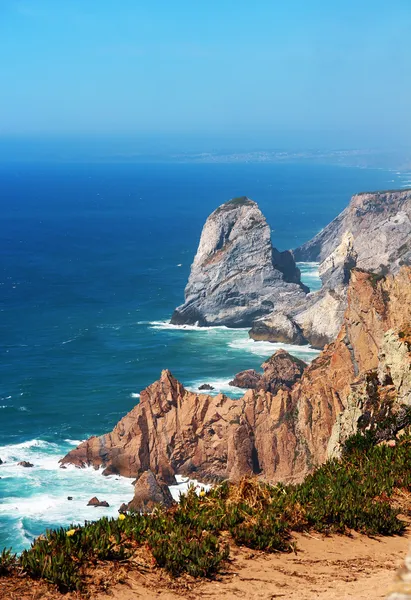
(325, 568)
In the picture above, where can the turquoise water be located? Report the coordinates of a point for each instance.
(94, 260)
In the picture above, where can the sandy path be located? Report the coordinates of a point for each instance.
(334, 568)
(342, 568)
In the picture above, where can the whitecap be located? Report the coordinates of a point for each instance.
(221, 386)
(197, 328)
(134, 395)
(266, 349)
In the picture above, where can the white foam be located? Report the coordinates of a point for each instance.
(38, 496)
(266, 349)
(168, 325)
(221, 386)
(134, 395)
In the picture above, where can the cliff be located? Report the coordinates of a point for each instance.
(373, 233)
(365, 372)
(237, 276)
(380, 226)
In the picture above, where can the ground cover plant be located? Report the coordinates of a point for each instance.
(360, 492)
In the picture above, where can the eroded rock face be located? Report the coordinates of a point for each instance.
(280, 436)
(373, 233)
(149, 492)
(280, 371)
(380, 227)
(236, 275)
(173, 431)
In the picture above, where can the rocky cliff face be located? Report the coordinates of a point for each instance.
(372, 233)
(173, 431)
(379, 225)
(236, 275)
(365, 372)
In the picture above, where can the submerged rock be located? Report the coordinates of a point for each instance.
(26, 464)
(236, 275)
(149, 492)
(206, 386)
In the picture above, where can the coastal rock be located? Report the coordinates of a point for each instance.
(280, 436)
(277, 327)
(174, 431)
(1, 462)
(123, 508)
(249, 379)
(237, 276)
(26, 464)
(372, 234)
(206, 386)
(96, 502)
(281, 370)
(149, 492)
(379, 225)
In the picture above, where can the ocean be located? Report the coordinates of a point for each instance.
(95, 257)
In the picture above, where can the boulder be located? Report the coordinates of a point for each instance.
(277, 327)
(1, 462)
(149, 492)
(282, 370)
(26, 464)
(248, 379)
(96, 502)
(206, 386)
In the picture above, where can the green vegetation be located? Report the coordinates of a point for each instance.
(8, 561)
(240, 201)
(359, 492)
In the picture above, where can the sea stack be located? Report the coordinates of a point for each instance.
(237, 276)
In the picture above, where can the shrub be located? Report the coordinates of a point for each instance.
(8, 560)
(357, 492)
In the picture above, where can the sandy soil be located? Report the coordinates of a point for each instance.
(325, 569)
(357, 568)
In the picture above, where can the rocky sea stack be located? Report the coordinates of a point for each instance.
(237, 275)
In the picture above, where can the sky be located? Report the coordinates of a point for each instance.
(246, 73)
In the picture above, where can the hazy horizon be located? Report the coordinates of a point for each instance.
(209, 76)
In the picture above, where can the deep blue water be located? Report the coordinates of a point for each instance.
(94, 258)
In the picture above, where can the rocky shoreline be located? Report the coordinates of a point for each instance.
(279, 436)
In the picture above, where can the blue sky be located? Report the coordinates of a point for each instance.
(258, 72)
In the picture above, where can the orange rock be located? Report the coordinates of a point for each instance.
(281, 436)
